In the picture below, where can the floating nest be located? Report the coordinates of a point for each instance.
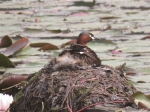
(72, 82)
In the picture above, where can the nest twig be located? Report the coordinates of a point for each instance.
(69, 90)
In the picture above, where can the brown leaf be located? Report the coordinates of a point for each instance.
(148, 96)
(108, 17)
(146, 37)
(38, 44)
(12, 80)
(17, 46)
(141, 82)
(142, 106)
(49, 47)
(131, 99)
(131, 73)
(6, 41)
(68, 43)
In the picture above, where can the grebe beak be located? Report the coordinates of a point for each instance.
(93, 37)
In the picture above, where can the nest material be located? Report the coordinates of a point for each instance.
(68, 85)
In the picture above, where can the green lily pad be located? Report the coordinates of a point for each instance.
(141, 100)
(30, 51)
(135, 46)
(5, 62)
(101, 45)
(28, 68)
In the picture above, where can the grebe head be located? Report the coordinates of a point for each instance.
(84, 38)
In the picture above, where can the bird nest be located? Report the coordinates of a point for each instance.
(73, 90)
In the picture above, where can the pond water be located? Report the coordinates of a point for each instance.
(120, 25)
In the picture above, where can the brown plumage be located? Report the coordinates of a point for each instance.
(84, 38)
(83, 54)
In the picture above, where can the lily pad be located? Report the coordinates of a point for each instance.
(135, 46)
(101, 45)
(5, 41)
(49, 47)
(17, 46)
(141, 100)
(38, 44)
(11, 80)
(5, 62)
(30, 51)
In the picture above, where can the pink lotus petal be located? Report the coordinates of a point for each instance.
(5, 101)
(116, 52)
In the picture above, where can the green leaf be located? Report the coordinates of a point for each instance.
(141, 100)
(5, 62)
(30, 51)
